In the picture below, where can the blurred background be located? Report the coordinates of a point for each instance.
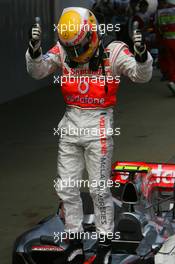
(30, 109)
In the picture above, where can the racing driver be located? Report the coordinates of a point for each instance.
(82, 51)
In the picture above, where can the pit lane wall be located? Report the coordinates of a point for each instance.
(16, 16)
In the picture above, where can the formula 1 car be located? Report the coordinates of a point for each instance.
(143, 195)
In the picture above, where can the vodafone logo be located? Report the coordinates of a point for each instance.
(83, 87)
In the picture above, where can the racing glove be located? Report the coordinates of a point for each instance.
(140, 50)
(35, 41)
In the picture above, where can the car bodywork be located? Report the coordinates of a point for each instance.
(143, 195)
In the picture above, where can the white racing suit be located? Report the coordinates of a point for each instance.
(88, 149)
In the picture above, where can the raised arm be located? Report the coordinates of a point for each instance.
(137, 66)
(38, 65)
(125, 63)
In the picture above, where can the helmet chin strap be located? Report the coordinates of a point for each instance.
(76, 53)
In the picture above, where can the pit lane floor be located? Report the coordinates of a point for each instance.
(28, 149)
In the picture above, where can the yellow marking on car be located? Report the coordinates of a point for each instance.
(131, 168)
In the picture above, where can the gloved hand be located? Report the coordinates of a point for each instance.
(35, 41)
(140, 50)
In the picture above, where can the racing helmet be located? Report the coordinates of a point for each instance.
(78, 33)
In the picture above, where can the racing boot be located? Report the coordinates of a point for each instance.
(75, 252)
(103, 254)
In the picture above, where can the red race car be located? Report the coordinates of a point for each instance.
(143, 195)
